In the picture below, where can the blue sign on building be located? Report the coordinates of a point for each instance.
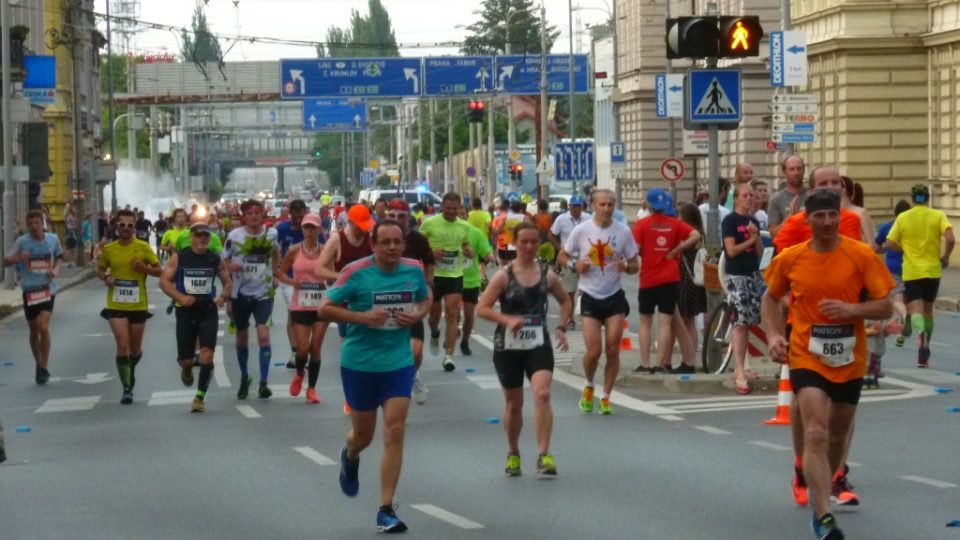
(521, 74)
(618, 153)
(713, 96)
(458, 75)
(573, 161)
(40, 82)
(334, 115)
(350, 77)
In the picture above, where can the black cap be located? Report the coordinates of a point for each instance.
(920, 194)
(200, 228)
(822, 199)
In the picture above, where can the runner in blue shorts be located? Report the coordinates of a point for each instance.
(385, 294)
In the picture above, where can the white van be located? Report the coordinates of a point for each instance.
(412, 198)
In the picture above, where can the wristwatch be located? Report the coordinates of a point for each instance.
(562, 328)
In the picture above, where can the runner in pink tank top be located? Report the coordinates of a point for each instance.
(308, 329)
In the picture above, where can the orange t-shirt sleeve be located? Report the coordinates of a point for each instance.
(791, 233)
(850, 225)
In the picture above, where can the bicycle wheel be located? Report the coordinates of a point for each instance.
(717, 340)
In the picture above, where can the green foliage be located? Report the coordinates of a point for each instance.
(383, 181)
(370, 35)
(200, 45)
(489, 34)
(583, 109)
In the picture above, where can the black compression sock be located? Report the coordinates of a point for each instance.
(301, 362)
(313, 372)
(134, 360)
(206, 371)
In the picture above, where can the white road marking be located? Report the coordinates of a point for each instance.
(929, 482)
(68, 404)
(853, 464)
(490, 382)
(483, 341)
(96, 335)
(449, 517)
(711, 430)
(219, 370)
(671, 417)
(617, 398)
(171, 397)
(220, 333)
(314, 456)
(248, 411)
(769, 445)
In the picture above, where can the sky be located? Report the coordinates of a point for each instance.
(309, 20)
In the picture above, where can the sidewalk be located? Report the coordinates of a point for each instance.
(949, 297)
(11, 300)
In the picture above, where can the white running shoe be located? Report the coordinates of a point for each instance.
(419, 390)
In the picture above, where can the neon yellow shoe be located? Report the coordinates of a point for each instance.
(545, 464)
(513, 465)
(232, 328)
(605, 407)
(586, 400)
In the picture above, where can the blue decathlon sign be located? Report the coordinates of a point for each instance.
(368, 177)
(458, 75)
(334, 115)
(349, 77)
(521, 74)
(573, 161)
(40, 82)
(713, 96)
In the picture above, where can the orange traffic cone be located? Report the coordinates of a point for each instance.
(784, 395)
(625, 343)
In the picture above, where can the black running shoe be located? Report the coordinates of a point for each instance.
(127, 398)
(264, 391)
(683, 369)
(42, 375)
(388, 522)
(244, 387)
(465, 348)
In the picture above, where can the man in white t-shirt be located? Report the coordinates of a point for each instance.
(600, 250)
(723, 210)
(559, 233)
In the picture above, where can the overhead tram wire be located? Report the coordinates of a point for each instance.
(280, 41)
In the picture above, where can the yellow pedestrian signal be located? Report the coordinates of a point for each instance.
(739, 37)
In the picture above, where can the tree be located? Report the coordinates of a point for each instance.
(200, 45)
(489, 34)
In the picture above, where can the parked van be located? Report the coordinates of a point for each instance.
(412, 198)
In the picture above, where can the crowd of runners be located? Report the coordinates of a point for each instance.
(378, 272)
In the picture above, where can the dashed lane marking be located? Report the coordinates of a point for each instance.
(314, 456)
(769, 445)
(219, 370)
(711, 430)
(449, 517)
(171, 397)
(248, 411)
(929, 481)
(68, 404)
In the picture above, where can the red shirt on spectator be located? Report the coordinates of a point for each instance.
(655, 235)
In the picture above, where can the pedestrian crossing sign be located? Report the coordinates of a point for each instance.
(712, 96)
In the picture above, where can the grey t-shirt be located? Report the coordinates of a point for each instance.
(778, 207)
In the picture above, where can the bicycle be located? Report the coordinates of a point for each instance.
(718, 325)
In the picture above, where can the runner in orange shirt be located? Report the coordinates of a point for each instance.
(827, 346)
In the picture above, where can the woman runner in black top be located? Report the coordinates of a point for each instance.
(521, 343)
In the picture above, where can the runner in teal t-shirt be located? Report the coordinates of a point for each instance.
(385, 295)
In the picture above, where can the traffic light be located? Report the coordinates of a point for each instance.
(516, 172)
(713, 37)
(316, 152)
(739, 37)
(475, 112)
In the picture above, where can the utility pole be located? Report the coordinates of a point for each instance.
(542, 158)
(671, 141)
(491, 166)
(9, 203)
(433, 144)
(113, 134)
(471, 162)
(511, 125)
(615, 95)
(573, 118)
(448, 170)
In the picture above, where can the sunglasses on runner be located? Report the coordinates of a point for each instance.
(397, 215)
(125, 225)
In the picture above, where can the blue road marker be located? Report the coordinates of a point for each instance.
(278, 364)
(23, 429)
(684, 377)
(953, 409)
(8, 362)
(470, 370)
(943, 389)
(492, 420)
(954, 523)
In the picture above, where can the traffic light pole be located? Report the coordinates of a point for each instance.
(491, 166)
(786, 24)
(713, 214)
(543, 98)
(671, 127)
(9, 207)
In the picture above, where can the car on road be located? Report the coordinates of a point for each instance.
(414, 197)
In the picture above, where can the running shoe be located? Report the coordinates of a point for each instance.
(448, 364)
(799, 488)
(42, 375)
(605, 406)
(513, 465)
(296, 384)
(346, 408)
(465, 348)
(545, 464)
(198, 405)
(264, 391)
(388, 522)
(825, 528)
(186, 375)
(841, 493)
(901, 339)
(435, 343)
(349, 477)
(292, 362)
(232, 328)
(127, 397)
(923, 354)
(419, 390)
(244, 387)
(312, 397)
(586, 400)
(683, 369)
(196, 358)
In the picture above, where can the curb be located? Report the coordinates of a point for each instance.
(947, 303)
(697, 384)
(73, 281)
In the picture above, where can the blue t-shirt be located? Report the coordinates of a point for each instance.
(288, 236)
(894, 257)
(747, 262)
(43, 255)
(363, 285)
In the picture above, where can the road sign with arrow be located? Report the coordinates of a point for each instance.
(334, 115)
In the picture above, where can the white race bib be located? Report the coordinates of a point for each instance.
(254, 267)
(833, 343)
(198, 281)
(527, 338)
(309, 295)
(394, 302)
(126, 291)
(37, 295)
(39, 265)
(448, 261)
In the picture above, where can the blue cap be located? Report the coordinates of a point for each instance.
(671, 211)
(576, 201)
(659, 199)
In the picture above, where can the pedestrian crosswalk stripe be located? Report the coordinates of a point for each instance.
(929, 481)
(314, 456)
(248, 411)
(68, 404)
(444, 515)
(769, 445)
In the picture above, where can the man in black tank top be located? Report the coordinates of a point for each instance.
(188, 279)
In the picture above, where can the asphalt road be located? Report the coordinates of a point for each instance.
(92, 469)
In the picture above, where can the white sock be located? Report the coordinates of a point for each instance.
(589, 383)
(604, 395)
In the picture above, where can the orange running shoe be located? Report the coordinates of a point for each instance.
(312, 396)
(346, 408)
(296, 384)
(799, 488)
